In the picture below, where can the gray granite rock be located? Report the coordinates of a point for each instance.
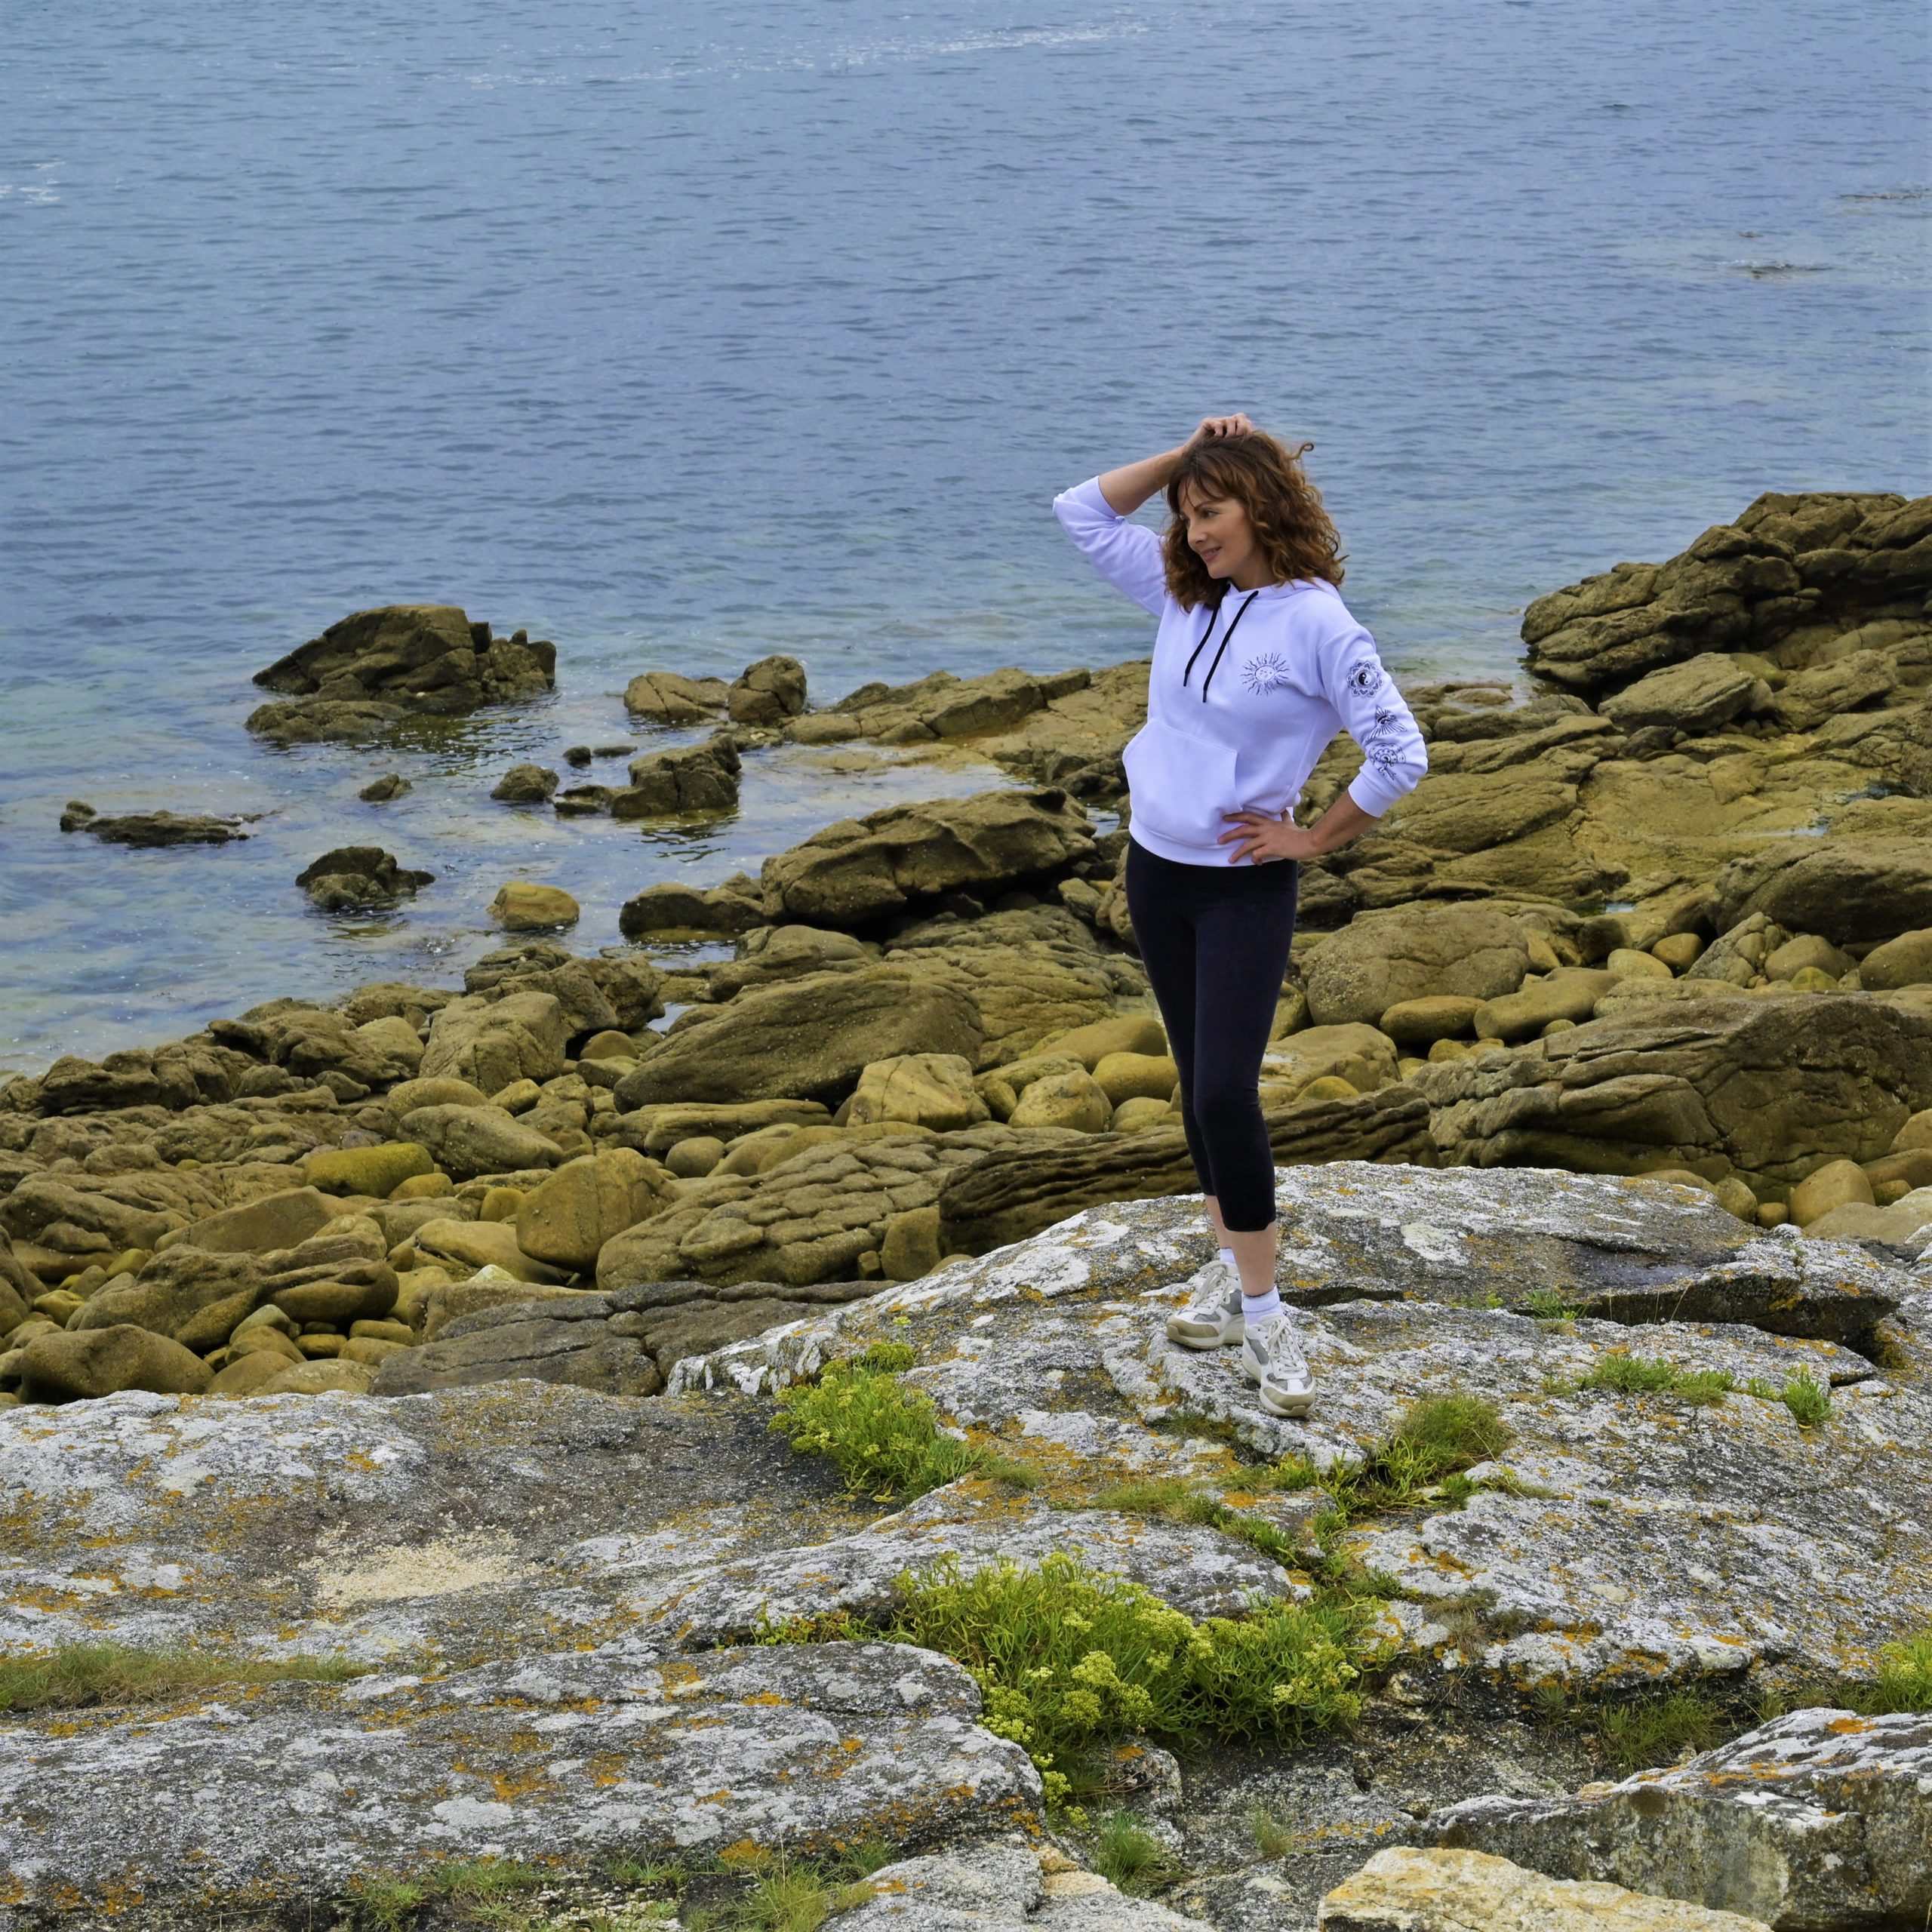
(1819, 1822)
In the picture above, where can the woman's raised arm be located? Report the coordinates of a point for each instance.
(1127, 488)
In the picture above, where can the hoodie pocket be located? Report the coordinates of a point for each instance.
(1182, 786)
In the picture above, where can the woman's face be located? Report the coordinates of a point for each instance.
(1221, 537)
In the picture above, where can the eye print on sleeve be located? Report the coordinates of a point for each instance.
(1266, 671)
(1382, 746)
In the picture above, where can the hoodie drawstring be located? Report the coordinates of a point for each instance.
(1227, 637)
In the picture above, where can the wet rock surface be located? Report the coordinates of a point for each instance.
(378, 667)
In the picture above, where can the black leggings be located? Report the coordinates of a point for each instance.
(1215, 939)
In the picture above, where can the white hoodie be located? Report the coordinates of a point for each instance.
(1241, 703)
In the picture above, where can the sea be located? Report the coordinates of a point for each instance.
(682, 335)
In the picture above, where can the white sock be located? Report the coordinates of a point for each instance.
(1227, 1255)
(1258, 1308)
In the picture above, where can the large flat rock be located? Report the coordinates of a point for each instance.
(292, 1793)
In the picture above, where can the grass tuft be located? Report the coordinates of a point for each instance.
(884, 1438)
(1626, 1374)
(1658, 1731)
(1129, 1856)
(1809, 1402)
(1547, 1305)
(78, 1676)
(1272, 1838)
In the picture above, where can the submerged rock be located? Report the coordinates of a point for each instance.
(353, 878)
(699, 778)
(150, 829)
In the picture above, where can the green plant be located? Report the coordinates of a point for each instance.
(1809, 1402)
(1066, 1657)
(1130, 1856)
(1905, 1675)
(1547, 1305)
(1764, 1391)
(884, 1438)
(77, 1676)
(390, 1905)
(1704, 1387)
(1183, 1502)
(1656, 1730)
(889, 1358)
(1292, 1474)
(1272, 1838)
(1631, 1375)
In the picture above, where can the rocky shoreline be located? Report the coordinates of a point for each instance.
(1613, 1046)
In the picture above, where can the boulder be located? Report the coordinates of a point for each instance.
(925, 1090)
(1806, 700)
(74, 1364)
(491, 1043)
(854, 871)
(1383, 959)
(276, 1220)
(767, 692)
(1772, 1087)
(1074, 1101)
(1806, 950)
(466, 1141)
(476, 1244)
(1127, 1033)
(382, 791)
(568, 1218)
(526, 785)
(1403, 1890)
(1362, 1056)
(1852, 891)
(1741, 955)
(52, 1213)
(196, 1297)
(1132, 1076)
(1788, 561)
(785, 953)
(736, 906)
(523, 906)
(1417, 1024)
(247, 1374)
(1904, 962)
(337, 1276)
(808, 1038)
(1819, 1819)
(19, 1289)
(1570, 994)
(697, 778)
(1840, 1183)
(378, 1170)
(1700, 695)
(1916, 1133)
(1901, 1225)
(356, 877)
(436, 1090)
(665, 698)
(331, 1377)
(378, 666)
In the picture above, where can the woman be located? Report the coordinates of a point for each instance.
(1257, 665)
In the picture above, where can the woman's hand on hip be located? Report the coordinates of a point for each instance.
(1257, 836)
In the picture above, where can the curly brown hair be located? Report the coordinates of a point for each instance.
(1265, 478)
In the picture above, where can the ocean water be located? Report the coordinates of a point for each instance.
(683, 335)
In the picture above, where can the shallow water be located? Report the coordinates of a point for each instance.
(682, 336)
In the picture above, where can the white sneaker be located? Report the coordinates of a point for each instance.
(1271, 1355)
(1213, 1318)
